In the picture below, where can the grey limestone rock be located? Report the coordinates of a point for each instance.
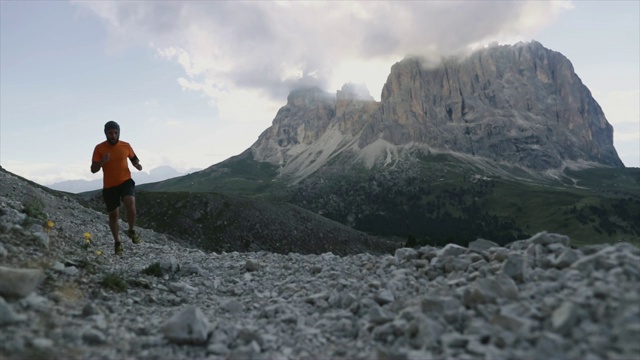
(42, 343)
(564, 317)
(545, 238)
(41, 238)
(19, 282)
(404, 254)
(189, 326)
(233, 306)
(514, 267)
(534, 298)
(169, 265)
(179, 287)
(566, 258)
(482, 245)
(7, 315)
(384, 297)
(378, 315)
(94, 337)
(251, 265)
(453, 250)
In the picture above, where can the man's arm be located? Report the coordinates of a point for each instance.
(96, 165)
(136, 162)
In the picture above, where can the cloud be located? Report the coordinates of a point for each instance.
(615, 105)
(275, 47)
(633, 137)
(172, 123)
(622, 110)
(151, 103)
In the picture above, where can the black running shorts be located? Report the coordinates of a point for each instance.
(113, 195)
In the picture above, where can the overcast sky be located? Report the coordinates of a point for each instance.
(193, 83)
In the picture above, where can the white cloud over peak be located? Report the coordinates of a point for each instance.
(274, 47)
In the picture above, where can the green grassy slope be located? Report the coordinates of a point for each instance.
(440, 199)
(218, 222)
(239, 175)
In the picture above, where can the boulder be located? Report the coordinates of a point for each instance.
(189, 326)
(18, 283)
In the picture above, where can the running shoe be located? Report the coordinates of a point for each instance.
(119, 249)
(135, 238)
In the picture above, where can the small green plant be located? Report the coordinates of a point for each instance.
(88, 266)
(411, 241)
(37, 354)
(114, 281)
(154, 270)
(139, 283)
(35, 210)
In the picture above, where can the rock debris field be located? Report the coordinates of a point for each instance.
(537, 298)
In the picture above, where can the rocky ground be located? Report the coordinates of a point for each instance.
(535, 298)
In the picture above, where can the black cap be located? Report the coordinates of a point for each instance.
(111, 125)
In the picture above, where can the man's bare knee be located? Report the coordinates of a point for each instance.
(129, 200)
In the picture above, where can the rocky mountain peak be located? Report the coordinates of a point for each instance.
(352, 96)
(297, 125)
(353, 91)
(520, 104)
(308, 97)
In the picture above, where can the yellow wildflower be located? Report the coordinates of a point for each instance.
(48, 226)
(98, 252)
(87, 236)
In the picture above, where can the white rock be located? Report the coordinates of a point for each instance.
(7, 315)
(564, 317)
(19, 282)
(189, 326)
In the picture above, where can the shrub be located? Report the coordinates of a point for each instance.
(37, 354)
(115, 282)
(154, 270)
(87, 265)
(411, 241)
(35, 210)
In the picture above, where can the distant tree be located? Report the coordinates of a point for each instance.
(411, 242)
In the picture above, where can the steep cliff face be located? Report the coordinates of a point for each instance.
(298, 124)
(313, 127)
(522, 105)
(471, 147)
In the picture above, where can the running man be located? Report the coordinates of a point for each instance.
(111, 155)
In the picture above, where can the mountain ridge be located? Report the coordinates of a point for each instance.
(520, 104)
(156, 174)
(498, 144)
(217, 222)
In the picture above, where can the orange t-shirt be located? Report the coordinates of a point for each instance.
(116, 170)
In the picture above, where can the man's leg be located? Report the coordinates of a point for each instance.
(114, 216)
(130, 205)
(112, 200)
